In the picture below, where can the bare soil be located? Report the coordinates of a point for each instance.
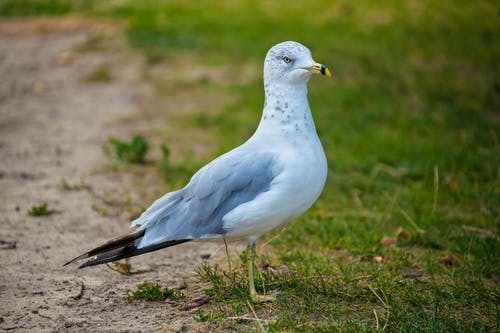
(53, 123)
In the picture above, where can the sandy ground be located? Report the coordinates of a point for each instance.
(53, 124)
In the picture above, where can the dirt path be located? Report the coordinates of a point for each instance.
(53, 123)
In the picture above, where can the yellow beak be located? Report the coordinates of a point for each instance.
(320, 69)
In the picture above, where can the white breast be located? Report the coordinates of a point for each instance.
(293, 191)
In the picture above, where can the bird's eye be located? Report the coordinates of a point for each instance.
(287, 59)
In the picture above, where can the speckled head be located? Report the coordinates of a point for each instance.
(291, 62)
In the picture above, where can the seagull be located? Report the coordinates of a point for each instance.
(271, 179)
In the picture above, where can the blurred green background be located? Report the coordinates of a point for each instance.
(411, 126)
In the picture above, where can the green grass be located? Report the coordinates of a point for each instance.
(101, 73)
(15, 8)
(357, 293)
(41, 210)
(133, 151)
(410, 124)
(149, 291)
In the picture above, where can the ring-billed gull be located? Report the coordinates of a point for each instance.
(269, 180)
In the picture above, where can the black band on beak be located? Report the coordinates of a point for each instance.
(323, 70)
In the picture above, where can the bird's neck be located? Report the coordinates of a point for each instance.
(286, 111)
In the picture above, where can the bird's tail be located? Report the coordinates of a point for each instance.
(120, 248)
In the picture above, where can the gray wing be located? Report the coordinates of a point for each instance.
(196, 211)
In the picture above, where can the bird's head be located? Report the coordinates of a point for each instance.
(291, 62)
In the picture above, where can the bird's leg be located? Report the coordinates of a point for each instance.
(227, 256)
(251, 281)
(250, 260)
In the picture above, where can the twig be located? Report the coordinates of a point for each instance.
(363, 213)
(212, 255)
(227, 256)
(481, 231)
(393, 172)
(405, 215)
(387, 320)
(436, 188)
(261, 248)
(376, 295)
(248, 318)
(376, 319)
(255, 315)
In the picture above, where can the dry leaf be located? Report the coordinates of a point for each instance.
(403, 235)
(412, 272)
(450, 259)
(389, 241)
(38, 87)
(323, 213)
(66, 58)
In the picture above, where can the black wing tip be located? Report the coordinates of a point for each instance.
(80, 257)
(111, 245)
(85, 264)
(122, 253)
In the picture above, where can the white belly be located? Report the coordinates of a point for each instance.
(291, 193)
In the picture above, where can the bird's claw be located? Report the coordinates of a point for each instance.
(256, 298)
